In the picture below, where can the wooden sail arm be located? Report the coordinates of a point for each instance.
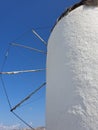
(22, 71)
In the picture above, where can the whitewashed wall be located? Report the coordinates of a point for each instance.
(72, 72)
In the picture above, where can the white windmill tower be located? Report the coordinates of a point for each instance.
(72, 69)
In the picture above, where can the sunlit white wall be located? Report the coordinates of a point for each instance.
(72, 72)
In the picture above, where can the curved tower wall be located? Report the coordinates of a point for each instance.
(72, 72)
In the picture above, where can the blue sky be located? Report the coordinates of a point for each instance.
(17, 18)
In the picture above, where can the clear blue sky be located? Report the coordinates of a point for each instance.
(17, 18)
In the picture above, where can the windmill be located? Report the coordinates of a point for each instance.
(68, 73)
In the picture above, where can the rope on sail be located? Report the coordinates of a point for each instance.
(23, 120)
(2, 81)
(6, 94)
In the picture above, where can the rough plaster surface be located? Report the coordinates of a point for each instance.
(72, 72)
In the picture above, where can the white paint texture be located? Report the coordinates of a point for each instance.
(72, 72)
